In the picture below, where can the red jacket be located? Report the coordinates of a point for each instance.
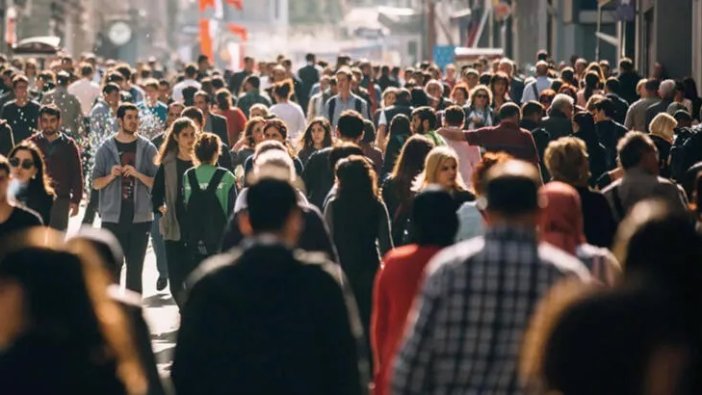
(63, 165)
(396, 286)
(507, 137)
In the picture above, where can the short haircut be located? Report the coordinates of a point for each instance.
(652, 85)
(124, 107)
(202, 58)
(110, 87)
(19, 78)
(632, 148)
(203, 94)
(434, 218)
(510, 110)
(86, 70)
(511, 188)
(606, 105)
(115, 77)
(350, 124)
(208, 148)
(561, 100)
(612, 84)
(50, 109)
(124, 70)
(532, 107)
(254, 81)
(151, 83)
(270, 202)
(190, 70)
(63, 78)
(342, 151)
(426, 113)
(195, 114)
(626, 64)
(454, 116)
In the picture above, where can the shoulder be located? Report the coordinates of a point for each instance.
(27, 216)
(317, 264)
(451, 258)
(562, 262)
(212, 269)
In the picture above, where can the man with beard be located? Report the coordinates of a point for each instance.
(63, 165)
(22, 112)
(124, 173)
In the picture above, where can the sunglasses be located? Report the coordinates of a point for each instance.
(26, 164)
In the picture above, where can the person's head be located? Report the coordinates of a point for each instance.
(592, 81)
(208, 148)
(506, 66)
(28, 168)
(128, 118)
(567, 161)
(273, 162)
(318, 134)
(283, 90)
(683, 118)
(511, 194)
(541, 68)
(389, 96)
(434, 220)
(460, 94)
(546, 97)
(275, 129)
(195, 114)
(249, 63)
(272, 209)
(626, 65)
(499, 82)
(126, 72)
(174, 111)
(151, 89)
(564, 104)
(258, 110)
(471, 77)
(349, 127)
(410, 161)
(434, 89)
(343, 150)
(454, 116)
(203, 63)
(343, 80)
(62, 79)
(110, 92)
(400, 126)
(356, 179)
(223, 99)
(253, 132)
(637, 150)
(480, 96)
(180, 138)
(20, 87)
(651, 87)
(201, 100)
(667, 89)
(510, 112)
(87, 71)
(423, 120)
(583, 124)
(532, 111)
(612, 85)
(561, 219)
(49, 119)
(488, 160)
(441, 168)
(663, 125)
(190, 71)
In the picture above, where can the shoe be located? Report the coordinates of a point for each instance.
(161, 284)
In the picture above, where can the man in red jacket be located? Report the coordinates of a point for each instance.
(399, 280)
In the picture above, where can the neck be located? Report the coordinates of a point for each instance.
(125, 137)
(52, 136)
(344, 95)
(184, 155)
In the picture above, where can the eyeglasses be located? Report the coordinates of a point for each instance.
(26, 164)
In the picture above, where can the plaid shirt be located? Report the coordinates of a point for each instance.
(475, 305)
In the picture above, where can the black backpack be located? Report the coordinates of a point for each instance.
(204, 218)
(332, 107)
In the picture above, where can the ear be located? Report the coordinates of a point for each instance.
(245, 223)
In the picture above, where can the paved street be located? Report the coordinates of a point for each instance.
(160, 311)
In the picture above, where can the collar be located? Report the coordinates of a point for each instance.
(264, 239)
(501, 232)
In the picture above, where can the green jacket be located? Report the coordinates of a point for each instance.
(435, 137)
(226, 192)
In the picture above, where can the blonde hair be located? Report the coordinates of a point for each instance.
(567, 160)
(663, 125)
(432, 164)
(477, 89)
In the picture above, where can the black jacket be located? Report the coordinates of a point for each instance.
(6, 138)
(628, 82)
(318, 177)
(655, 109)
(516, 89)
(237, 81)
(218, 126)
(309, 75)
(620, 107)
(557, 125)
(609, 133)
(267, 320)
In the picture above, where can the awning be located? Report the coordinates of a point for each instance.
(39, 45)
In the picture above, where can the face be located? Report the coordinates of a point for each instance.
(446, 174)
(450, 73)
(201, 103)
(343, 82)
(49, 124)
(164, 91)
(22, 166)
(130, 122)
(500, 87)
(505, 68)
(472, 80)
(272, 133)
(318, 134)
(151, 93)
(568, 111)
(11, 309)
(480, 99)
(390, 99)
(459, 97)
(21, 91)
(256, 112)
(112, 98)
(416, 125)
(278, 75)
(173, 114)
(257, 133)
(434, 90)
(186, 139)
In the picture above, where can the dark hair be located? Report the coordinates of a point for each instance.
(270, 203)
(169, 143)
(426, 113)
(254, 81)
(357, 180)
(306, 140)
(114, 77)
(350, 124)
(190, 70)
(341, 151)
(124, 70)
(195, 114)
(400, 126)
(86, 69)
(511, 188)
(124, 107)
(434, 219)
(41, 184)
(110, 87)
(419, 97)
(208, 148)
(51, 110)
(690, 88)
(652, 85)
(368, 131)
(278, 124)
(632, 147)
(63, 78)
(592, 81)
(612, 84)
(224, 99)
(410, 162)
(283, 89)
(454, 116)
(606, 105)
(532, 107)
(626, 64)
(510, 110)
(202, 58)
(203, 94)
(248, 130)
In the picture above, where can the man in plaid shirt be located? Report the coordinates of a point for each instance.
(466, 330)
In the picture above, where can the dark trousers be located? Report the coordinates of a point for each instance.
(133, 239)
(91, 208)
(59, 213)
(180, 264)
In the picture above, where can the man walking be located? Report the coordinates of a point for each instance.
(123, 173)
(85, 89)
(71, 113)
(63, 165)
(345, 99)
(22, 112)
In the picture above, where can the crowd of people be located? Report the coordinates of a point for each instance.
(352, 228)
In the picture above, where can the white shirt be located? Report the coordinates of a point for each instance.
(178, 88)
(294, 118)
(87, 93)
(542, 83)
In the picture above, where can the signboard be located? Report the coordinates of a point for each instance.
(444, 54)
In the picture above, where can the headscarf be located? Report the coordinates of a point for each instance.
(561, 221)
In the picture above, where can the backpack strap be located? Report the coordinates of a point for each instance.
(359, 107)
(536, 91)
(332, 107)
(192, 180)
(617, 200)
(215, 180)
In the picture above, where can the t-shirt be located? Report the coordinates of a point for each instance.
(127, 156)
(19, 219)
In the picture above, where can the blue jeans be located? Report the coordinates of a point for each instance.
(159, 248)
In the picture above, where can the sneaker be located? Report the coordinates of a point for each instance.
(161, 284)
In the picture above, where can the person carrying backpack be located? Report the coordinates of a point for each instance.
(209, 199)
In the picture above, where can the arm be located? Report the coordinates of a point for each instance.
(329, 218)
(158, 190)
(102, 176)
(379, 320)
(453, 134)
(77, 181)
(384, 236)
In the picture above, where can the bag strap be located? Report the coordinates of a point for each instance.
(215, 180)
(359, 107)
(618, 206)
(192, 180)
(536, 91)
(332, 107)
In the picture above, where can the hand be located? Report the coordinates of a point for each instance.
(74, 209)
(116, 170)
(163, 209)
(477, 120)
(129, 171)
